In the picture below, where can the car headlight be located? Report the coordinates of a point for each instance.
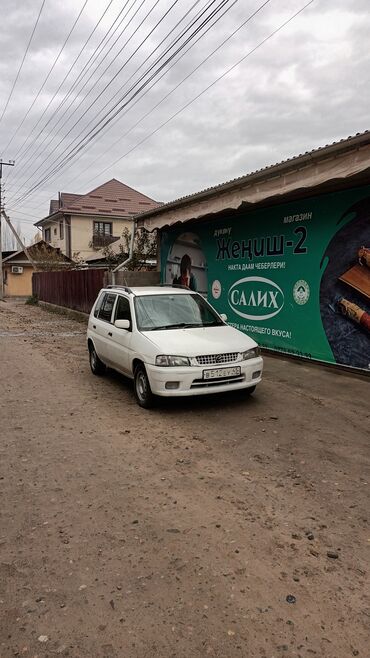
(165, 360)
(251, 354)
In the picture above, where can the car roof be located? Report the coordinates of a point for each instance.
(150, 290)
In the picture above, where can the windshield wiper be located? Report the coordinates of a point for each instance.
(215, 323)
(178, 325)
(182, 325)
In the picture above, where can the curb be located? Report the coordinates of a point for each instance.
(63, 310)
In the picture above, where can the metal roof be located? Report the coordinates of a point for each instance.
(345, 144)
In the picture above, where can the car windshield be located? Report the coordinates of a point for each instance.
(155, 312)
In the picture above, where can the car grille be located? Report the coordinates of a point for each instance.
(216, 359)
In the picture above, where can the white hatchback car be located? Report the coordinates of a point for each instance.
(171, 342)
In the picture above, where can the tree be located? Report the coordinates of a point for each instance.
(37, 237)
(47, 258)
(9, 241)
(145, 249)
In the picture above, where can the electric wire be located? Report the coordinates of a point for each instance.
(212, 84)
(52, 173)
(172, 91)
(183, 80)
(151, 54)
(89, 137)
(23, 60)
(50, 137)
(80, 77)
(215, 81)
(208, 18)
(57, 91)
(49, 73)
(163, 65)
(20, 212)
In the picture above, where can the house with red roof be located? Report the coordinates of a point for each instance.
(82, 224)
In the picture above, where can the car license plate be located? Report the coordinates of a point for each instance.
(218, 373)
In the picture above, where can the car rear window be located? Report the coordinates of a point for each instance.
(99, 304)
(105, 311)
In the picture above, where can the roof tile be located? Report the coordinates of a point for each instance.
(107, 196)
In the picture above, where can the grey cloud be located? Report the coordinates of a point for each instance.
(304, 88)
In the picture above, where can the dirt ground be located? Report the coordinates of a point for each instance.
(200, 528)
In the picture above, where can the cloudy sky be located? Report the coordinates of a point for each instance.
(306, 86)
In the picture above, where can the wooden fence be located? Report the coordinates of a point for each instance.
(75, 289)
(78, 289)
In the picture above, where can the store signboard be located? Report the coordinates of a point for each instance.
(296, 276)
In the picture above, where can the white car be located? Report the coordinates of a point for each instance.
(171, 342)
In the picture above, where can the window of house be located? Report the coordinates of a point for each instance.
(47, 235)
(55, 231)
(105, 312)
(61, 230)
(123, 311)
(103, 228)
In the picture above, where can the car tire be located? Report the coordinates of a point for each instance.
(97, 366)
(143, 392)
(250, 390)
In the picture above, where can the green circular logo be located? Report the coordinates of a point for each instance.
(301, 292)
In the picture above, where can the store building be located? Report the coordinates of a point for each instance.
(284, 252)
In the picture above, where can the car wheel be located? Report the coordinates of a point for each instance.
(143, 393)
(250, 390)
(97, 366)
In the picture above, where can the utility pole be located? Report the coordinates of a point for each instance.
(19, 240)
(11, 163)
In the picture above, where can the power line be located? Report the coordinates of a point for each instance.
(50, 71)
(46, 175)
(50, 138)
(26, 214)
(178, 85)
(163, 65)
(206, 89)
(223, 75)
(61, 84)
(82, 74)
(195, 32)
(101, 76)
(186, 77)
(90, 136)
(22, 62)
(191, 23)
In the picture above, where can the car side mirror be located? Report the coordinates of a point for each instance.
(223, 317)
(122, 324)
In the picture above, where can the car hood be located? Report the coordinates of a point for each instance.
(199, 341)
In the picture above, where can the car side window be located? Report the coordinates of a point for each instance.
(123, 311)
(105, 312)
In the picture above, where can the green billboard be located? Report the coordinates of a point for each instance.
(296, 276)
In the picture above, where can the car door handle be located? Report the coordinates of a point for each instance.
(110, 333)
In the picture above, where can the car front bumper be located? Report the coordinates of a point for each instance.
(189, 380)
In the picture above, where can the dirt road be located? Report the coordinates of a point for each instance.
(201, 528)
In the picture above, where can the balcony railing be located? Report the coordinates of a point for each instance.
(100, 240)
